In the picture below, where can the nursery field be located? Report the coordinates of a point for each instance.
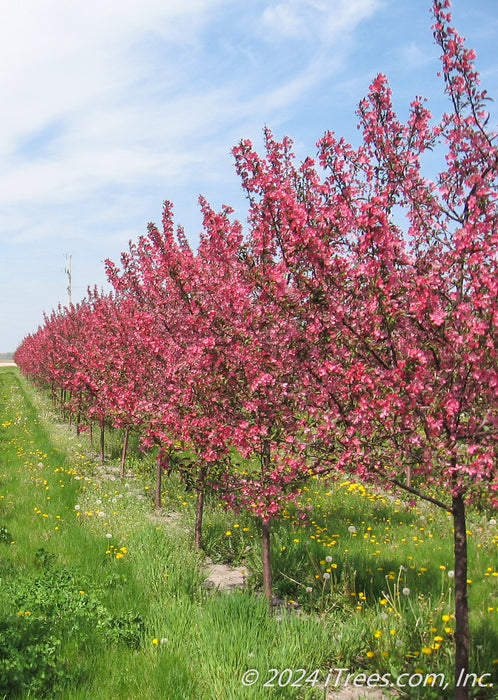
(102, 595)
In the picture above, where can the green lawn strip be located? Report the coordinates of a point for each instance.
(117, 590)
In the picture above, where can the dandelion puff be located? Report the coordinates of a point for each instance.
(352, 528)
(328, 559)
(108, 535)
(451, 574)
(326, 575)
(77, 508)
(492, 521)
(406, 591)
(309, 589)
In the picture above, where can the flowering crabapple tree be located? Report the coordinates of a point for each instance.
(159, 275)
(115, 351)
(401, 321)
(251, 364)
(234, 403)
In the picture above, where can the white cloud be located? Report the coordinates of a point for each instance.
(323, 20)
(76, 110)
(59, 57)
(109, 107)
(415, 56)
(87, 100)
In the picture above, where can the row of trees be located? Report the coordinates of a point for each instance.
(353, 327)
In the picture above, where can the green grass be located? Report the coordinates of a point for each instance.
(102, 597)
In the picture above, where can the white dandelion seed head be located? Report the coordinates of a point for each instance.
(328, 559)
(492, 521)
(406, 591)
(352, 528)
(326, 575)
(451, 574)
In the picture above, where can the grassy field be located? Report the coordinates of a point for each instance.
(103, 597)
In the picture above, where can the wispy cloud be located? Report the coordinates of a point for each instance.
(103, 92)
(308, 20)
(108, 107)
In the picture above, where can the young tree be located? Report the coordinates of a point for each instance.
(401, 324)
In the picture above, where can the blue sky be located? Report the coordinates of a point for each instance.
(108, 108)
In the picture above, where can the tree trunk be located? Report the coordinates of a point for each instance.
(124, 451)
(91, 434)
(462, 634)
(68, 398)
(265, 468)
(102, 455)
(159, 474)
(198, 519)
(266, 562)
(199, 509)
(409, 475)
